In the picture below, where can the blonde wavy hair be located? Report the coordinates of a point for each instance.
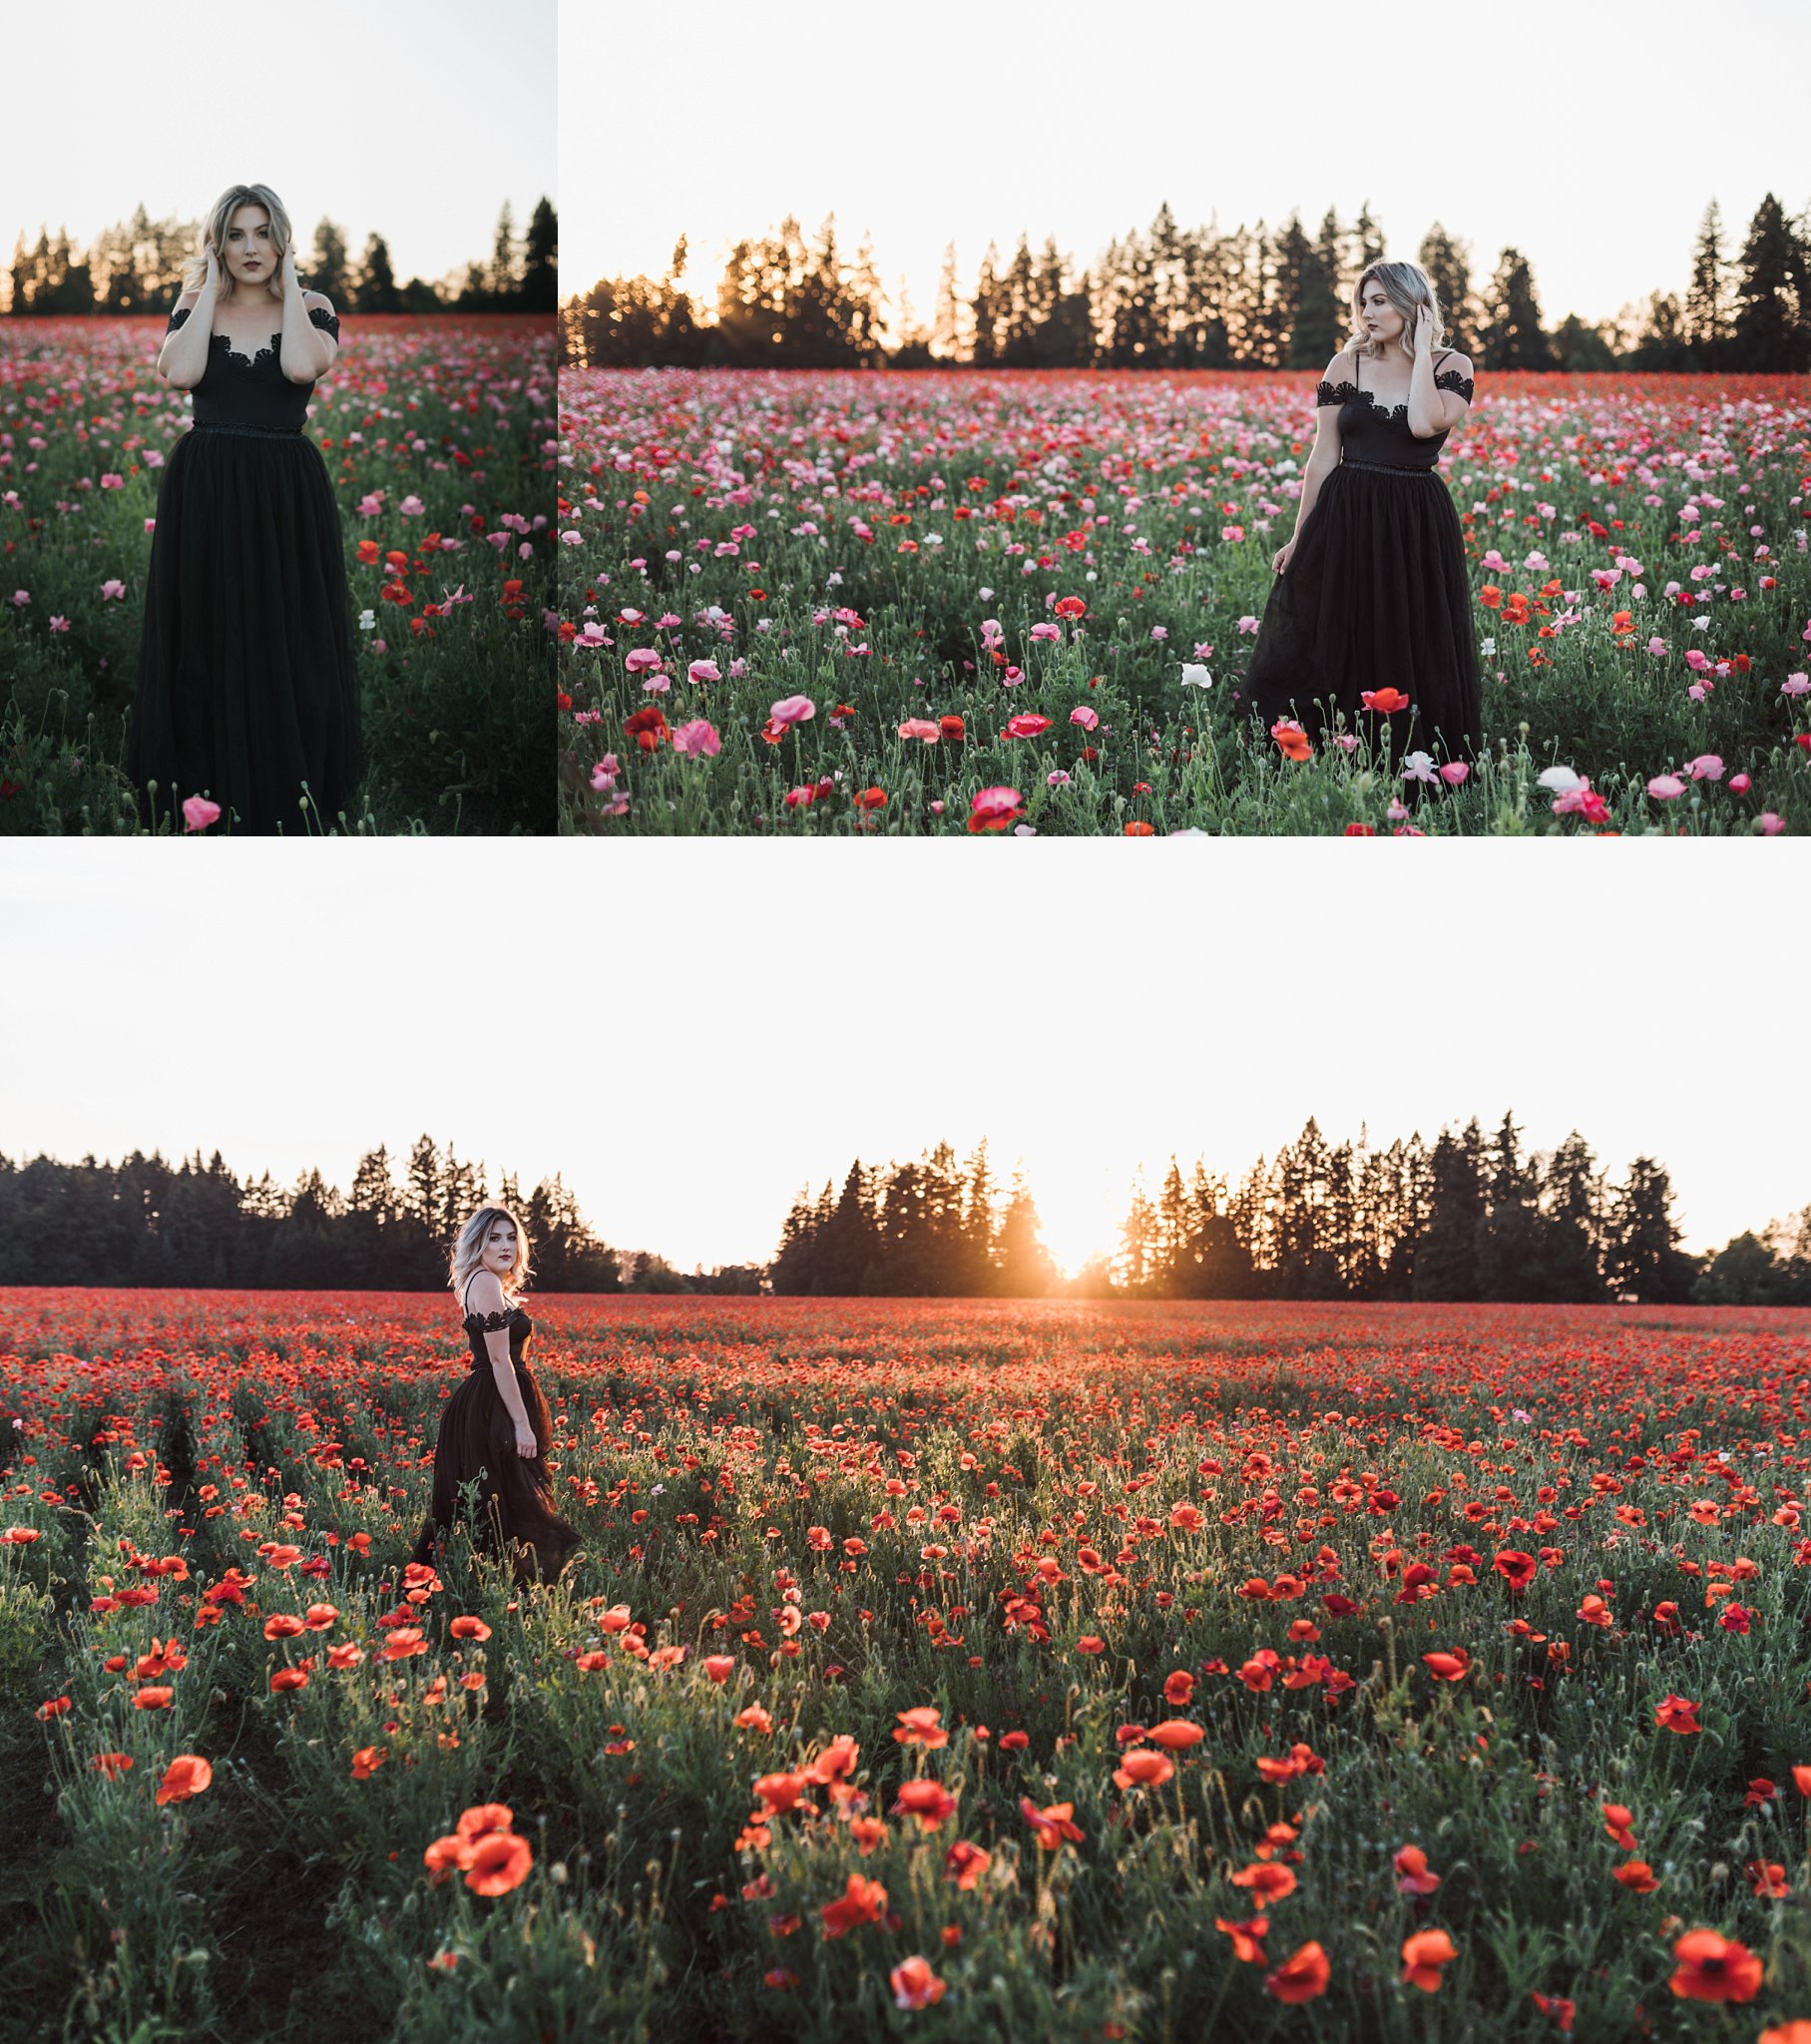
(1408, 287)
(468, 1252)
(214, 229)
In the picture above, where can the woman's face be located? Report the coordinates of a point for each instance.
(500, 1248)
(249, 256)
(1383, 323)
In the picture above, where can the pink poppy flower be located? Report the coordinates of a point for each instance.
(794, 709)
(198, 813)
(697, 738)
(1087, 719)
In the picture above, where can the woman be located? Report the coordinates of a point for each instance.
(247, 695)
(1370, 618)
(496, 1423)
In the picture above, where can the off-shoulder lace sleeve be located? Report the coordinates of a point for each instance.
(489, 1323)
(1331, 393)
(176, 317)
(1451, 379)
(327, 321)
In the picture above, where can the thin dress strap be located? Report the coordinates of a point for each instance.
(464, 1297)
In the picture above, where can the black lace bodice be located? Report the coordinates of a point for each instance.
(235, 391)
(1372, 431)
(477, 1325)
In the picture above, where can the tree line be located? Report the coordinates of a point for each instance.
(136, 266)
(146, 1221)
(1471, 1216)
(1169, 298)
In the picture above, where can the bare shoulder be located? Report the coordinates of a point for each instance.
(317, 301)
(1453, 359)
(187, 301)
(1338, 373)
(484, 1294)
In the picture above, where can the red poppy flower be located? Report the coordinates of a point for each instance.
(862, 1901)
(1677, 1714)
(1616, 1821)
(500, 1861)
(1514, 1567)
(1423, 1955)
(929, 1801)
(1302, 1976)
(1144, 1769)
(188, 1774)
(1052, 1824)
(1714, 1968)
(1245, 1936)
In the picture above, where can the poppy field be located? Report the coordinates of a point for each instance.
(806, 601)
(949, 1669)
(437, 437)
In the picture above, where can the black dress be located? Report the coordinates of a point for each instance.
(1376, 594)
(248, 686)
(477, 1440)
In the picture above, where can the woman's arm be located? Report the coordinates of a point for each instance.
(1323, 456)
(1433, 411)
(484, 1297)
(307, 352)
(182, 359)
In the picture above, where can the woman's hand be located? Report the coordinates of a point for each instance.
(291, 282)
(211, 256)
(1280, 559)
(525, 1443)
(1424, 330)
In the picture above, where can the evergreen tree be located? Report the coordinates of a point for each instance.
(1512, 336)
(1449, 266)
(1661, 342)
(987, 310)
(847, 1243)
(329, 269)
(539, 289)
(1446, 1257)
(946, 330)
(1326, 314)
(1770, 332)
(1018, 342)
(503, 277)
(1298, 280)
(376, 288)
(1138, 1244)
(1645, 1259)
(1573, 1199)
(1707, 295)
(1025, 1269)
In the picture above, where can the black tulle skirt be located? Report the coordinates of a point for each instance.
(514, 1517)
(1375, 597)
(247, 690)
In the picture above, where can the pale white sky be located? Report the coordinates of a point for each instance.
(415, 123)
(1572, 130)
(687, 1031)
